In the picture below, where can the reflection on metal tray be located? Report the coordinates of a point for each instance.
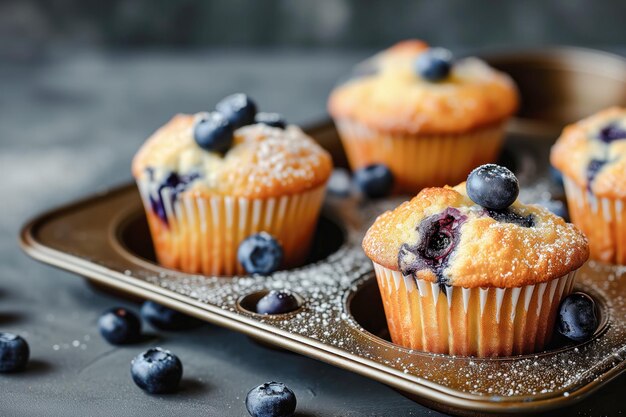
(105, 238)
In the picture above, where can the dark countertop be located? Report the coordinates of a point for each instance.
(69, 126)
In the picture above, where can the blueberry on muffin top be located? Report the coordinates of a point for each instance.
(411, 88)
(442, 236)
(208, 154)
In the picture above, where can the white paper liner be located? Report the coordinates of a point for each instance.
(601, 219)
(419, 161)
(470, 321)
(202, 234)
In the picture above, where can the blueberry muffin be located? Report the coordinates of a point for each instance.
(211, 180)
(591, 155)
(470, 270)
(429, 118)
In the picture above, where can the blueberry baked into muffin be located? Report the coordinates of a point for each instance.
(429, 118)
(591, 155)
(213, 180)
(470, 270)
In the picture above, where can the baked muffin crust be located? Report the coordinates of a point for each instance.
(263, 162)
(524, 245)
(391, 96)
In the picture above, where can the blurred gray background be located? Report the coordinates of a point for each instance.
(29, 29)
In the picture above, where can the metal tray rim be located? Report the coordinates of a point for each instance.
(283, 339)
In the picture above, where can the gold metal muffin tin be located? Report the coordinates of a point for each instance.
(105, 239)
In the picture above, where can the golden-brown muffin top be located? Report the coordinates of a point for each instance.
(443, 236)
(592, 153)
(391, 96)
(263, 162)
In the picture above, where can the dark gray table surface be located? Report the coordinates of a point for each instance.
(69, 125)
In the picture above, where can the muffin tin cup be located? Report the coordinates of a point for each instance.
(341, 321)
(202, 233)
(479, 322)
(419, 161)
(602, 219)
(106, 239)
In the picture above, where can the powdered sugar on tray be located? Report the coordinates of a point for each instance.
(325, 321)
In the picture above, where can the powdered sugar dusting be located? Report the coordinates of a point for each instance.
(325, 321)
(266, 159)
(263, 161)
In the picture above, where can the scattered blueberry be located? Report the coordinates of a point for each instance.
(119, 326)
(213, 132)
(271, 119)
(375, 181)
(260, 253)
(611, 133)
(238, 108)
(438, 236)
(434, 64)
(492, 186)
(277, 302)
(14, 353)
(577, 318)
(272, 399)
(165, 318)
(156, 371)
(340, 183)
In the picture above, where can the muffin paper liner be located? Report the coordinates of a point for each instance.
(419, 161)
(202, 233)
(470, 321)
(601, 219)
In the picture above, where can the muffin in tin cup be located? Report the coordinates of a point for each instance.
(429, 129)
(461, 279)
(201, 204)
(591, 155)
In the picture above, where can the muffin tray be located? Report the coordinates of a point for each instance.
(105, 238)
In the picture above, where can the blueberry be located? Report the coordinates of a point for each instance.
(119, 326)
(156, 371)
(277, 302)
(239, 109)
(434, 64)
(375, 181)
(271, 119)
(594, 167)
(260, 253)
(509, 216)
(272, 399)
(176, 184)
(339, 183)
(165, 318)
(577, 318)
(492, 186)
(213, 132)
(14, 353)
(438, 236)
(611, 133)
